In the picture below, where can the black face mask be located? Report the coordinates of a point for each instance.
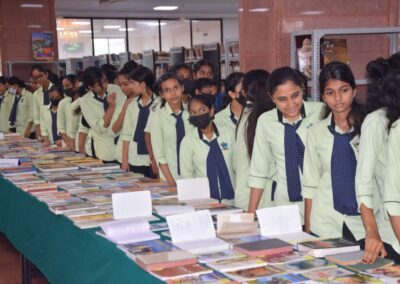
(55, 102)
(200, 121)
(69, 92)
(241, 100)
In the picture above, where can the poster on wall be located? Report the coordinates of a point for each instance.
(42, 46)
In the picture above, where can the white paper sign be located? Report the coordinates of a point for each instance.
(279, 220)
(8, 163)
(193, 188)
(191, 226)
(131, 204)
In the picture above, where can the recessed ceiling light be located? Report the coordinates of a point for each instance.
(85, 31)
(129, 29)
(80, 23)
(312, 13)
(259, 10)
(152, 24)
(34, 26)
(29, 5)
(240, 9)
(165, 8)
(112, 27)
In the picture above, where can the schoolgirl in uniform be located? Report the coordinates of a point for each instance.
(40, 96)
(169, 124)
(206, 151)
(20, 118)
(280, 137)
(234, 101)
(48, 118)
(135, 155)
(97, 110)
(6, 101)
(372, 161)
(258, 102)
(67, 123)
(331, 209)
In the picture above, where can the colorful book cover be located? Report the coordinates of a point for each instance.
(255, 273)
(280, 279)
(147, 247)
(305, 265)
(327, 275)
(335, 50)
(214, 278)
(181, 271)
(42, 46)
(389, 274)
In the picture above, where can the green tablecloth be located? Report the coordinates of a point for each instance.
(63, 252)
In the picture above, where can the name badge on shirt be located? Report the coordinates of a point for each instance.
(224, 146)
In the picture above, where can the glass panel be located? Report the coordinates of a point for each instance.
(143, 35)
(74, 38)
(109, 36)
(175, 34)
(206, 31)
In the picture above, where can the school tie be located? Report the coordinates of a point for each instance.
(217, 173)
(343, 171)
(46, 97)
(233, 119)
(54, 126)
(294, 156)
(13, 114)
(144, 112)
(180, 133)
(103, 100)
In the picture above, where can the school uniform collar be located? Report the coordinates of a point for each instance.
(42, 89)
(331, 125)
(140, 101)
(232, 116)
(99, 99)
(282, 119)
(203, 137)
(169, 109)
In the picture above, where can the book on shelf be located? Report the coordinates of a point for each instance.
(271, 246)
(127, 231)
(194, 231)
(181, 271)
(322, 248)
(164, 260)
(334, 50)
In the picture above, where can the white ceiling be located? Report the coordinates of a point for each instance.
(144, 8)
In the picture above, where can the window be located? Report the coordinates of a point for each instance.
(206, 31)
(175, 34)
(143, 35)
(74, 38)
(109, 36)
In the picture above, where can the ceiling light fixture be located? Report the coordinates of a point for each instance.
(85, 31)
(34, 26)
(312, 13)
(165, 8)
(80, 23)
(112, 27)
(129, 29)
(29, 5)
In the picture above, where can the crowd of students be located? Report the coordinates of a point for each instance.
(260, 142)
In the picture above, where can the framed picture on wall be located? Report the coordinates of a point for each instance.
(42, 46)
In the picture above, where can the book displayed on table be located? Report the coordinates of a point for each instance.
(272, 246)
(322, 248)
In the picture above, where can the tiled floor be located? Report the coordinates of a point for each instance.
(10, 264)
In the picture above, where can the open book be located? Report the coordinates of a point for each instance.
(128, 231)
(195, 233)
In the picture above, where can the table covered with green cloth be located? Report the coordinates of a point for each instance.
(63, 252)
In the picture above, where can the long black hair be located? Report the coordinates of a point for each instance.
(89, 77)
(376, 70)
(231, 82)
(14, 80)
(262, 102)
(390, 96)
(143, 74)
(342, 72)
(282, 75)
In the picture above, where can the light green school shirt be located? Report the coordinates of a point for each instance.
(72, 128)
(224, 119)
(103, 137)
(46, 122)
(38, 100)
(194, 153)
(5, 110)
(241, 165)
(372, 160)
(163, 136)
(129, 129)
(64, 115)
(24, 112)
(269, 149)
(392, 172)
(326, 222)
